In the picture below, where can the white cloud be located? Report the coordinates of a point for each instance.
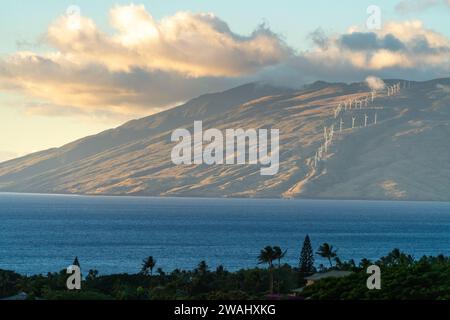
(80, 88)
(375, 83)
(142, 68)
(194, 45)
(146, 65)
(399, 50)
(403, 45)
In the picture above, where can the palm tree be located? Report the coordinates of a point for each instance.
(396, 257)
(279, 254)
(327, 251)
(267, 255)
(148, 265)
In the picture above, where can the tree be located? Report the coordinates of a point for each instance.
(161, 272)
(267, 255)
(148, 265)
(220, 271)
(76, 262)
(396, 257)
(162, 275)
(327, 251)
(202, 268)
(279, 254)
(365, 263)
(92, 275)
(306, 263)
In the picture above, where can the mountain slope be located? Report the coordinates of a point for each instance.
(404, 155)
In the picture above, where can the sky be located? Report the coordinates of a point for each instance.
(69, 69)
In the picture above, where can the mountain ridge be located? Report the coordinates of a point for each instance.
(134, 159)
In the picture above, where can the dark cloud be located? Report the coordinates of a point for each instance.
(421, 45)
(362, 41)
(319, 38)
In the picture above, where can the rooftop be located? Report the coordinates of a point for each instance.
(329, 274)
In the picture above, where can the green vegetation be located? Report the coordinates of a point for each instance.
(148, 265)
(327, 251)
(427, 278)
(306, 261)
(402, 276)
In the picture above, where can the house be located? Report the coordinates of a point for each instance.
(18, 297)
(21, 296)
(324, 275)
(319, 276)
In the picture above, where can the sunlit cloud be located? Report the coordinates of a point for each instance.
(147, 65)
(375, 83)
(400, 45)
(94, 88)
(194, 45)
(144, 67)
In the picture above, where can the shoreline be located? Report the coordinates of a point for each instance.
(281, 199)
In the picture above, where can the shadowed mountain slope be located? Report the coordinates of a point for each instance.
(395, 147)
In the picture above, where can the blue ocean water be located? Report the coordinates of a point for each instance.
(42, 233)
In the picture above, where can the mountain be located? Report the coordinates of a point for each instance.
(402, 155)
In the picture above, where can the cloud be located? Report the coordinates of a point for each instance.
(359, 41)
(319, 38)
(80, 88)
(444, 88)
(412, 6)
(194, 45)
(397, 46)
(145, 66)
(399, 50)
(375, 83)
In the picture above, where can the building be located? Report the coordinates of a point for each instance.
(319, 276)
(21, 296)
(330, 274)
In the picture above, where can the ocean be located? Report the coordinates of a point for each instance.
(43, 233)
